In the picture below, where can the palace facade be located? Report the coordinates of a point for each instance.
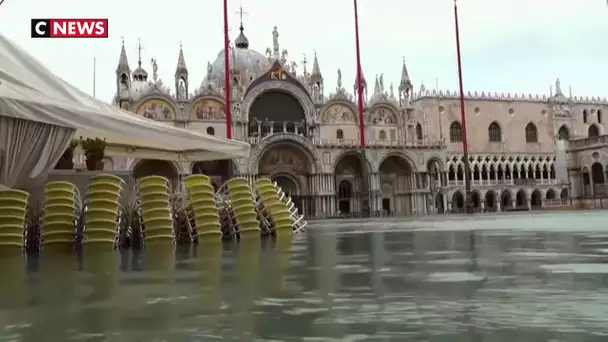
(305, 135)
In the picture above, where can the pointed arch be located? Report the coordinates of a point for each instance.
(563, 133)
(593, 131)
(494, 132)
(455, 132)
(531, 133)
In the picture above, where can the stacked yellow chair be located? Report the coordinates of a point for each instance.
(13, 211)
(61, 212)
(156, 210)
(276, 209)
(102, 210)
(201, 197)
(242, 203)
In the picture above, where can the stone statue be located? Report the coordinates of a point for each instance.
(294, 67)
(181, 90)
(268, 53)
(558, 87)
(154, 70)
(381, 80)
(339, 78)
(209, 70)
(392, 91)
(275, 39)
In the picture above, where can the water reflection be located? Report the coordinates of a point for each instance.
(330, 284)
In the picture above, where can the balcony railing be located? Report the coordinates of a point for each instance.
(371, 143)
(585, 142)
(506, 182)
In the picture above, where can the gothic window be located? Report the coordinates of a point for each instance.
(563, 133)
(585, 114)
(339, 134)
(494, 132)
(382, 135)
(419, 131)
(455, 132)
(210, 131)
(593, 131)
(531, 133)
(599, 116)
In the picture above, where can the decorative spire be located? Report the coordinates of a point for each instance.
(140, 74)
(405, 85)
(316, 70)
(181, 68)
(123, 63)
(241, 41)
(139, 52)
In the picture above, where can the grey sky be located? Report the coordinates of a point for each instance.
(508, 45)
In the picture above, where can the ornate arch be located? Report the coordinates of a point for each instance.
(373, 114)
(400, 154)
(177, 167)
(290, 88)
(296, 140)
(338, 102)
(347, 153)
(199, 100)
(160, 96)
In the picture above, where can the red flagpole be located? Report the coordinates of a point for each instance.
(359, 81)
(227, 77)
(463, 117)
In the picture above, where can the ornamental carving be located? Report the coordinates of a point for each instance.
(382, 116)
(338, 113)
(266, 143)
(156, 109)
(283, 159)
(207, 109)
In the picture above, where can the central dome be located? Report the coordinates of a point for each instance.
(246, 62)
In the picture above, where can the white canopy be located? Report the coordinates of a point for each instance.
(40, 114)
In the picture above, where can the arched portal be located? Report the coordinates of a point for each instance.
(506, 201)
(521, 200)
(396, 174)
(536, 199)
(288, 162)
(439, 203)
(349, 168)
(155, 167)
(458, 202)
(550, 194)
(490, 201)
(564, 195)
(345, 195)
(276, 111)
(597, 177)
(476, 199)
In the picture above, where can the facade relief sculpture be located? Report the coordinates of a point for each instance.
(156, 109)
(207, 109)
(282, 160)
(338, 113)
(382, 116)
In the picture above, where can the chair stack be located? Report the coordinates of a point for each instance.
(13, 210)
(61, 213)
(156, 210)
(298, 221)
(276, 209)
(102, 210)
(201, 198)
(242, 208)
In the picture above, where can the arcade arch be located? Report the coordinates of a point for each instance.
(396, 176)
(348, 167)
(490, 201)
(155, 167)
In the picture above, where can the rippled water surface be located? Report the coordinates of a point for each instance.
(540, 277)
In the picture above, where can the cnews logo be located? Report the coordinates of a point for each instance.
(69, 28)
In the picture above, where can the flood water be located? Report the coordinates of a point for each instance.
(523, 277)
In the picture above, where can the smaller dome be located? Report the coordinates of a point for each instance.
(139, 89)
(241, 41)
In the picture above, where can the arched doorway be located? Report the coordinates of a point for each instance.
(218, 170)
(349, 168)
(439, 203)
(586, 181)
(458, 202)
(396, 174)
(434, 169)
(536, 199)
(289, 164)
(597, 176)
(506, 200)
(521, 200)
(276, 111)
(564, 195)
(490, 201)
(155, 167)
(550, 195)
(593, 131)
(345, 195)
(476, 200)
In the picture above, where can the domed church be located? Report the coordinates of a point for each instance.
(305, 134)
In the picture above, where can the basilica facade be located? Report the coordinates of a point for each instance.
(305, 135)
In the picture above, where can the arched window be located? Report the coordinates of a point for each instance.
(339, 134)
(599, 116)
(585, 115)
(210, 131)
(531, 133)
(494, 132)
(382, 135)
(455, 132)
(419, 131)
(563, 133)
(593, 131)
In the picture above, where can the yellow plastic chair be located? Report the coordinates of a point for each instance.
(61, 211)
(201, 197)
(156, 209)
(12, 223)
(242, 204)
(102, 210)
(277, 210)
